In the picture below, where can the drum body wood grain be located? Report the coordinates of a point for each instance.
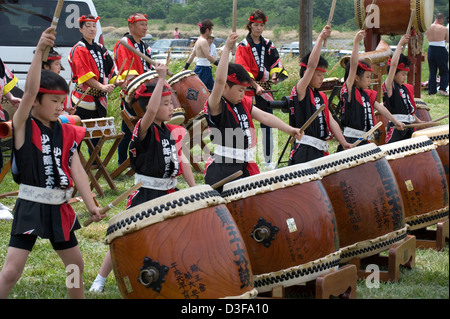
(288, 225)
(422, 111)
(421, 178)
(394, 15)
(439, 136)
(192, 94)
(366, 200)
(181, 245)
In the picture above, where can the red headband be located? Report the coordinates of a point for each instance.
(252, 19)
(84, 19)
(364, 67)
(204, 26)
(233, 79)
(306, 66)
(142, 92)
(400, 66)
(57, 57)
(134, 19)
(47, 91)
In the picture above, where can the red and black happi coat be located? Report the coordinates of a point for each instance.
(44, 160)
(157, 155)
(233, 118)
(359, 113)
(90, 61)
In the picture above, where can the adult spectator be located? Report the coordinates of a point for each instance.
(437, 36)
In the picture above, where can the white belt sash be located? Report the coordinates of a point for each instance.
(314, 142)
(162, 184)
(43, 195)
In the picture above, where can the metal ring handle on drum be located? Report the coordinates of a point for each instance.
(260, 234)
(152, 274)
(148, 276)
(264, 232)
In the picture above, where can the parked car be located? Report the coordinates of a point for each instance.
(291, 48)
(161, 46)
(149, 40)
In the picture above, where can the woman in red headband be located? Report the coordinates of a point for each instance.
(230, 115)
(358, 100)
(261, 60)
(46, 165)
(92, 68)
(306, 99)
(398, 96)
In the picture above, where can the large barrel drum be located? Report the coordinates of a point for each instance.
(192, 94)
(180, 245)
(366, 200)
(394, 15)
(288, 225)
(421, 178)
(439, 136)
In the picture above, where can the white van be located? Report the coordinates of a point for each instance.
(23, 21)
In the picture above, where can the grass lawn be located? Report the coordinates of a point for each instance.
(44, 274)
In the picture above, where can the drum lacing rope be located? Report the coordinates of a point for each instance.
(350, 159)
(410, 147)
(269, 181)
(296, 273)
(161, 208)
(428, 219)
(353, 253)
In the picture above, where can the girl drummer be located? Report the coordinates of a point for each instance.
(358, 101)
(398, 96)
(46, 164)
(155, 152)
(261, 60)
(307, 99)
(229, 113)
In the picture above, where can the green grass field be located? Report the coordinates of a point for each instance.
(44, 275)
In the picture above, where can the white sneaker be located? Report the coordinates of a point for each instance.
(269, 166)
(5, 212)
(98, 284)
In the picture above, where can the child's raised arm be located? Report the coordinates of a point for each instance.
(154, 102)
(354, 60)
(394, 63)
(32, 84)
(313, 60)
(221, 76)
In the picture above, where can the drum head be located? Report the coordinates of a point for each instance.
(177, 77)
(424, 14)
(137, 81)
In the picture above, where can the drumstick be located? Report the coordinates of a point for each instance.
(302, 129)
(440, 118)
(227, 179)
(431, 123)
(140, 54)
(54, 24)
(330, 18)
(408, 30)
(115, 202)
(81, 98)
(370, 10)
(234, 23)
(367, 134)
(129, 68)
(120, 70)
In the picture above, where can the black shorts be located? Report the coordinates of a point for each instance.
(27, 242)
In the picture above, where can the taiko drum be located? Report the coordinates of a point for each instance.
(366, 200)
(439, 136)
(421, 178)
(180, 245)
(288, 225)
(192, 94)
(394, 15)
